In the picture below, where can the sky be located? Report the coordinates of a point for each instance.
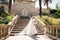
(51, 5)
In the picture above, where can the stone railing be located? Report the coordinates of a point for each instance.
(52, 31)
(5, 29)
(39, 25)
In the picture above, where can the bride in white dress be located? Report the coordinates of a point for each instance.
(30, 29)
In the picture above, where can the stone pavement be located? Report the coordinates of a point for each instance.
(26, 37)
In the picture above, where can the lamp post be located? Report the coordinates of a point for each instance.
(40, 10)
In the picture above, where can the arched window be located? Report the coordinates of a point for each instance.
(24, 12)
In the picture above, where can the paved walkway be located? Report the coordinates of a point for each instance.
(25, 37)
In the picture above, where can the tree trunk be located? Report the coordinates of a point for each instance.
(47, 5)
(10, 4)
(40, 8)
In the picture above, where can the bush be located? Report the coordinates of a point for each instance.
(53, 11)
(56, 15)
(49, 20)
(10, 17)
(2, 12)
(4, 18)
(44, 14)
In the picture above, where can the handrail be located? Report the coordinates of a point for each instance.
(5, 29)
(53, 31)
(40, 25)
(49, 30)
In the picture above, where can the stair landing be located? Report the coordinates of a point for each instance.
(24, 37)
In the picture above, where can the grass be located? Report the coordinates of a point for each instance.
(49, 20)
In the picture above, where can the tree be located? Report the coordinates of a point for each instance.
(40, 6)
(46, 2)
(3, 1)
(58, 6)
(10, 5)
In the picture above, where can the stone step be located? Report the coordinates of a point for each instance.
(24, 17)
(13, 34)
(17, 29)
(39, 31)
(21, 24)
(39, 34)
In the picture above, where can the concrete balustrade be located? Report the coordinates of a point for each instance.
(49, 30)
(40, 25)
(5, 29)
(53, 31)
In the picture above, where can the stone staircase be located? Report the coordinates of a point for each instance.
(22, 22)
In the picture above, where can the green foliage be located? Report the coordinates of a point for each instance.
(53, 13)
(4, 18)
(49, 20)
(42, 19)
(2, 12)
(44, 14)
(52, 21)
(10, 17)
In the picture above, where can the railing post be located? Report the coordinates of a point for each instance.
(50, 30)
(8, 29)
(56, 32)
(1, 33)
(53, 30)
(45, 30)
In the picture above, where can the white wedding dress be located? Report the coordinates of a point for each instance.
(30, 29)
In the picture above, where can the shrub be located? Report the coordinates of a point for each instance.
(56, 15)
(2, 12)
(53, 11)
(49, 20)
(10, 17)
(6, 20)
